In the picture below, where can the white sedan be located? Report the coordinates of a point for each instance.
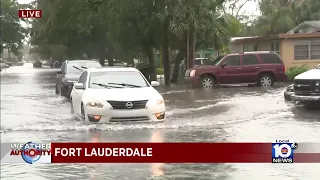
(112, 94)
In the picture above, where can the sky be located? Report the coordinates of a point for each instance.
(249, 8)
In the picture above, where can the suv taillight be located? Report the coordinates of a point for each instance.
(192, 73)
(284, 68)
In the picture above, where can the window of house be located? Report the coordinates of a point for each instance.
(249, 60)
(232, 61)
(307, 49)
(245, 48)
(315, 49)
(275, 46)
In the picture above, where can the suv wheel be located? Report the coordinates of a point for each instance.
(71, 107)
(265, 80)
(207, 82)
(83, 114)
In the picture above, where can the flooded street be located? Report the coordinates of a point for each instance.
(30, 111)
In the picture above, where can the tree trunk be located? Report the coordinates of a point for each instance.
(152, 64)
(110, 61)
(191, 50)
(102, 57)
(110, 56)
(175, 75)
(186, 62)
(165, 54)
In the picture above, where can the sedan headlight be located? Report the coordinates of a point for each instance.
(156, 101)
(318, 83)
(94, 103)
(160, 101)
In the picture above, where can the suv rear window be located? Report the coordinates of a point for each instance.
(249, 60)
(271, 59)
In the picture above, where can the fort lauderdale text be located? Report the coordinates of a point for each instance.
(103, 152)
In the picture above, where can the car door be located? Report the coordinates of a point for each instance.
(230, 70)
(77, 93)
(250, 68)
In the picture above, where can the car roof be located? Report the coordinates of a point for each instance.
(252, 52)
(77, 61)
(114, 68)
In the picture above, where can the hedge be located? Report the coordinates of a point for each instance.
(295, 71)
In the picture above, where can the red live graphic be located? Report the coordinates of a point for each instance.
(30, 13)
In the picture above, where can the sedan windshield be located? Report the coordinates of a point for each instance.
(124, 79)
(77, 67)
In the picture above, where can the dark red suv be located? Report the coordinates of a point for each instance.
(260, 67)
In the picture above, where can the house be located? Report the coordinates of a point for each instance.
(300, 46)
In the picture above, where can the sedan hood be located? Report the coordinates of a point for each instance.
(123, 94)
(313, 74)
(72, 77)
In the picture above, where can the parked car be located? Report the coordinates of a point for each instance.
(197, 62)
(57, 64)
(307, 87)
(116, 94)
(45, 63)
(70, 73)
(37, 64)
(260, 67)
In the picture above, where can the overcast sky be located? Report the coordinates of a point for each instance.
(249, 8)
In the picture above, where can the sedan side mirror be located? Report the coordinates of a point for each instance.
(78, 86)
(155, 83)
(224, 64)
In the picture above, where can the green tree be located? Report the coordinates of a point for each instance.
(12, 33)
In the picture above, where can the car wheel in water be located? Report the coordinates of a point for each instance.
(83, 114)
(71, 107)
(207, 82)
(265, 80)
(62, 90)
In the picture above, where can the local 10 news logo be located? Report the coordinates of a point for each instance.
(283, 151)
(30, 152)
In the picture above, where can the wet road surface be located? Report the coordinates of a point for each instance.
(30, 110)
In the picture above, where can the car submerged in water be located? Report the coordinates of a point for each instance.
(69, 74)
(116, 94)
(37, 64)
(306, 88)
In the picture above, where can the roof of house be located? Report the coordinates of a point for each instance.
(315, 24)
(300, 35)
(289, 34)
(237, 38)
(252, 39)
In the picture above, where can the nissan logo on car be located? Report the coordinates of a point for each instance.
(129, 105)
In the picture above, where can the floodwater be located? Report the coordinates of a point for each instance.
(30, 110)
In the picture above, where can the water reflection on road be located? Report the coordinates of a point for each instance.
(30, 110)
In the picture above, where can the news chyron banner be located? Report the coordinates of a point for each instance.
(280, 151)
